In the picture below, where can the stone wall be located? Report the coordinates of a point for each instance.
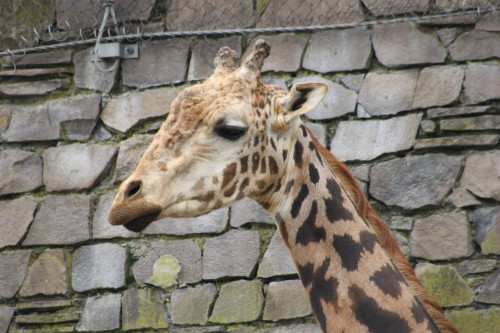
(412, 109)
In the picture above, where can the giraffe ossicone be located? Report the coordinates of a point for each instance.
(233, 137)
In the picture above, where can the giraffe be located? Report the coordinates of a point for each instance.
(233, 137)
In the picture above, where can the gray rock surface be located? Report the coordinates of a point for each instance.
(388, 93)
(458, 141)
(353, 81)
(374, 137)
(6, 314)
(45, 58)
(277, 259)
(88, 76)
(238, 301)
(25, 171)
(475, 45)
(481, 82)
(76, 166)
(126, 111)
(441, 237)
(388, 7)
(101, 228)
(190, 306)
(489, 22)
(476, 266)
(460, 197)
(248, 211)
(13, 269)
(486, 226)
(101, 313)
(401, 44)
(338, 50)
(33, 88)
(30, 124)
(15, 219)
(481, 174)
(299, 328)
(47, 275)
(98, 266)
(318, 131)
(337, 102)
(186, 251)
(401, 223)
(129, 155)
(67, 218)
(491, 291)
(287, 49)
(214, 222)
(142, 310)
(285, 300)
(234, 254)
(203, 53)
(438, 86)
(479, 123)
(456, 111)
(447, 35)
(161, 62)
(415, 181)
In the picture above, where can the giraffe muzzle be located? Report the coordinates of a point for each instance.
(134, 216)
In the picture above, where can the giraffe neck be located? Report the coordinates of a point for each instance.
(352, 283)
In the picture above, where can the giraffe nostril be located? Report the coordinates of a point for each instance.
(133, 188)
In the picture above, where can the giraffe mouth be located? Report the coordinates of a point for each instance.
(134, 216)
(140, 223)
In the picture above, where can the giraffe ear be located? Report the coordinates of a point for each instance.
(302, 98)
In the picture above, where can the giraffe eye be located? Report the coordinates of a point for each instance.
(230, 132)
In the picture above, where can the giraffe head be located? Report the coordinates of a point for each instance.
(223, 140)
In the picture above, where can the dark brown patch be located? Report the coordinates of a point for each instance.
(260, 184)
(255, 162)
(313, 147)
(297, 154)
(304, 131)
(262, 103)
(230, 191)
(388, 280)
(263, 165)
(313, 174)
(244, 164)
(335, 210)
(285, 154)
(229, 173)
(273, 166)
(209, 196)
(273, 144)
(376, 319)
(349, 251)
(289, 186)
(308, 232)
(297, 203)
(255, 141)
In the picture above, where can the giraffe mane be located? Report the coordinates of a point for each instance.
(387, 241)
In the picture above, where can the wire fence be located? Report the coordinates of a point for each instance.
(36, 25)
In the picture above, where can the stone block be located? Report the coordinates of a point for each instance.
(486, 226)
(76, 166)
(221, 14)
(441, 237)
(489, 22)
(29, 124)
(286, 300)
(161, 62)
(277, 260)
(142, 310)
(33, 88)
(338, 50)
(457, 111)
(479, 123)
(67, 218)
(403, 44)
(81, 15)
(447, 36)
(415, 181)
(131, 151)
(444, 284)
(99, 266)
(428, 126)
(211, 223)
(475, 45)
(238, 301)
(248, 211)
(88, 76)
(481, 174)
(318, 131)
(401, 223)
(15, 219)
(470, 320)
(374, 137)
(48, 319)
(490, 293)
(25, 171)
(353, 81)
(13, 269)
(458, 141)
(126, 111)
(101, 228)
(42, 58)
(185, 251)
(45, 305)
(190, 306)
(47, 275)
(481, 82)
(460, 197)
(286, 52)
(234, 254)
(389, 7)
(337, 102)
(388, 93)
(298, 328)
(36, 72)
(6, 314)
(76, 116)
(438, 86)
(476, 266)
(203, 52)
(101, 313)
(286, 13)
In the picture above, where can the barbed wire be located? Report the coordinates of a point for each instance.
(48, 25)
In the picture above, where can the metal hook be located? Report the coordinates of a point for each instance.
(109, 8)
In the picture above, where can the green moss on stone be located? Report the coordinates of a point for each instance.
(491, 243)
(165, 271)
(475, 321)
